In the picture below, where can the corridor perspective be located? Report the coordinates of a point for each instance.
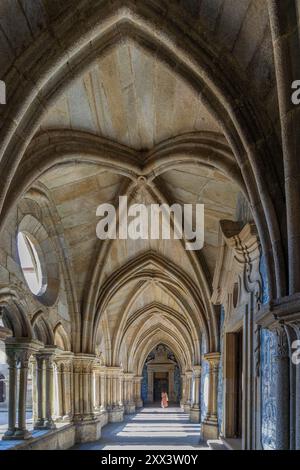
(151, 428)
(150, 224)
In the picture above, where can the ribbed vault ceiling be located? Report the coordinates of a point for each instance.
(130, 98)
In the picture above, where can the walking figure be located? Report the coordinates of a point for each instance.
(164, 400)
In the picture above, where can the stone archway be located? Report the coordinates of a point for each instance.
(162, 102)
(161, 372)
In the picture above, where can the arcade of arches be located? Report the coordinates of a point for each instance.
(161, 101)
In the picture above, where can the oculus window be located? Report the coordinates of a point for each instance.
(31, 264)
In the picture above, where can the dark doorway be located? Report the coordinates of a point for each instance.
(233, 380)
(161, 384)
(239, 384)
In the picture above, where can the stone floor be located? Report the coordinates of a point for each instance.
(150, 428)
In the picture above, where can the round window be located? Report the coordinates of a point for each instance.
(31, 264)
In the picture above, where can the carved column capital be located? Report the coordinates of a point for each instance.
(213, 358)
(197, 370)
(138, 378)
(11, 357)
(20, 350)
(115, 371)
(84, 363)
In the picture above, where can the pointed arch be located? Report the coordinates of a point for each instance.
(61, 338)
(158, 317)
(150, 265)
(202, 64)
(42, 329)
(157, 336)
(14, 312)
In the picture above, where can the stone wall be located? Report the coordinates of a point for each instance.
(204, 382)
(268, 390)
(220, 378)
(268, 373)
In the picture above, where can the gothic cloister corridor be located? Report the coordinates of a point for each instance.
(149, 224)
(151, 428)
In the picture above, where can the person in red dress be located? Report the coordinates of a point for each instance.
(164, 400)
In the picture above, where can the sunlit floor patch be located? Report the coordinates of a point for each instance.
(150, 428)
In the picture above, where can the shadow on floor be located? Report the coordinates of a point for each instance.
(150, 428)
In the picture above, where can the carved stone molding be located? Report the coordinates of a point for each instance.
(285, 309)
(237, 273)
(282, 346)
(213, 358)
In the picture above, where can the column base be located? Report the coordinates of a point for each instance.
(195, 415)
(88, 417)
(115, 415)
(209, 429)
(49, 424)
(40, 424)
(18, 434)
(129, 408)
(64, 419)
(9, 434)
(186, 407)
(88, 431)
(139, 404)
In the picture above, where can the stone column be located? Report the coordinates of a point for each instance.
(112, 389)
(12, 400)
(282, 389)
(18, 352)
(188, 396)
(150, 386)
(292, 330)
(138, 391)
(49, 386)
(296, 357)
(83, 372)
(195, 410)
(103, 390)
(115, 391)
(285, 41)
(64, 363)
(39, 423)
(21, 431)
(32, 365)
(210, 424)
(108, 390)
(67, 380)
(96, 388)
(121, 390)
(115, 410)
(88, 424)
(129, 403)
(183, 390)
(171, 385)
(60, 390)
